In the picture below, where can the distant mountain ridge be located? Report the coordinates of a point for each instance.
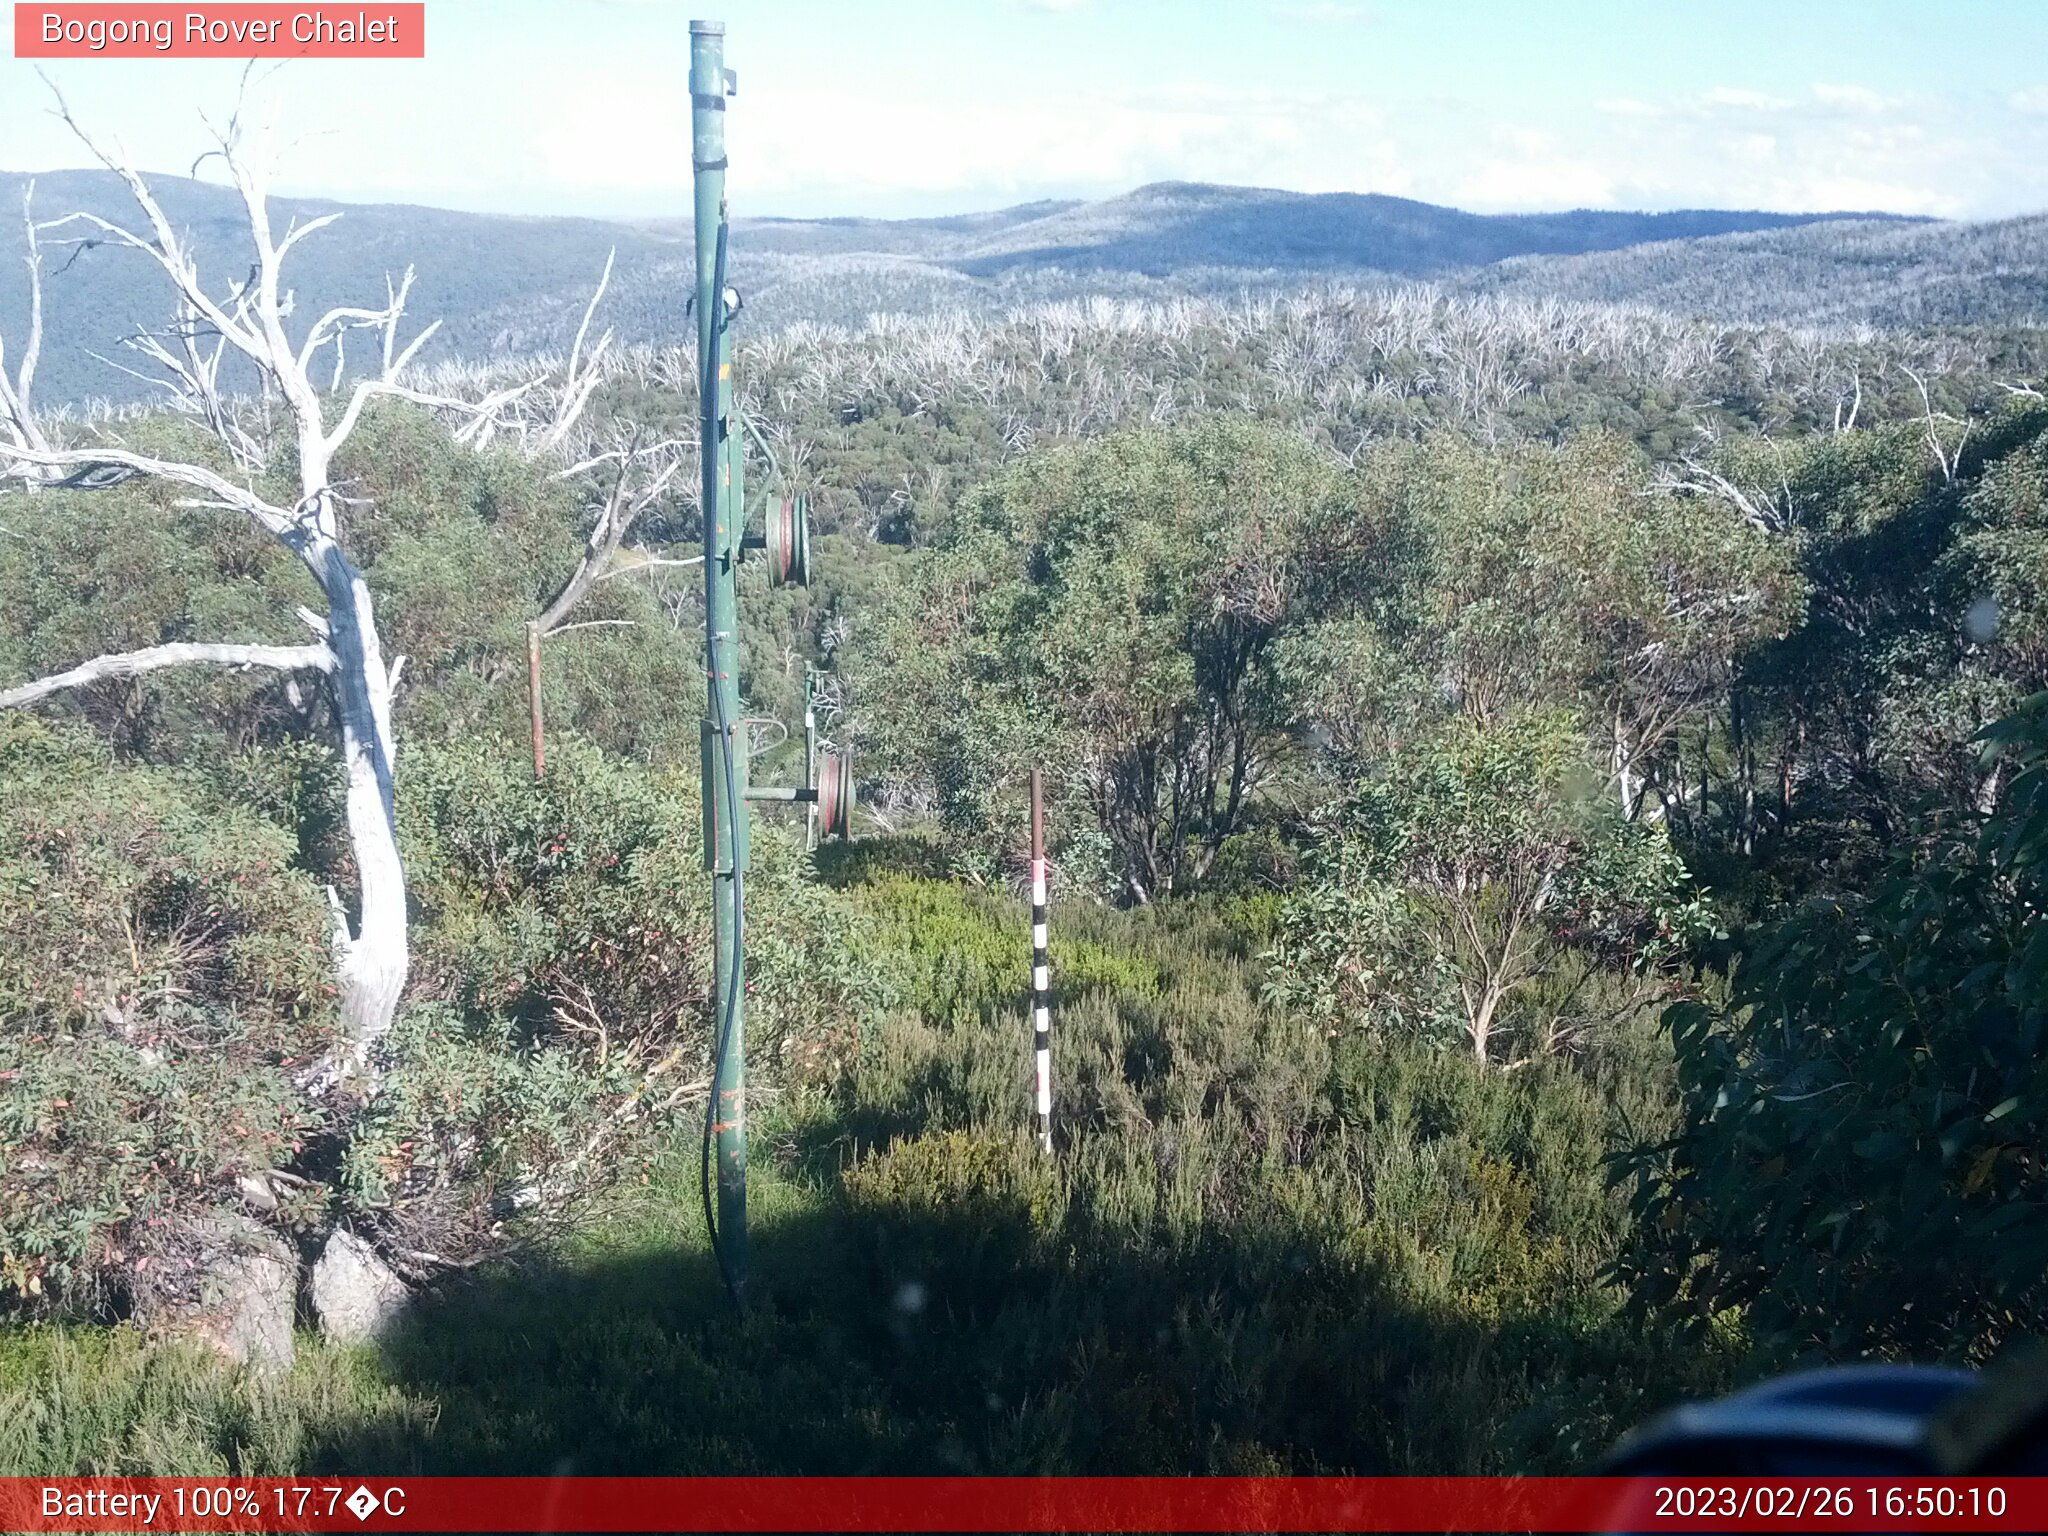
(1169, 226)
(469, 268)
(504, 285)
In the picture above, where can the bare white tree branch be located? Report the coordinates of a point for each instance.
(632, 560)
(1770, 510)
(641, 477)
(287, 658)
(1947, 459)
(563, 629)
(577, 385)
(224, 492)
(17, 403)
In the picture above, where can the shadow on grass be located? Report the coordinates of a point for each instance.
(962, 1344)
(1216, 1276)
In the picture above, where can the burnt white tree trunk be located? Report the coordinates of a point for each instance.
(374, 959)
(373, 951)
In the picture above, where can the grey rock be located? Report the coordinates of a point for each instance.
(242, 1303)
(356, 1296)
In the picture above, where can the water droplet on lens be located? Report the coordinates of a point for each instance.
(1980, 623)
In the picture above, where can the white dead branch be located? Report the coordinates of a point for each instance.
(248, 319)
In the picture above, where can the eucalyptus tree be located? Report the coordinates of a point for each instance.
(1114, 610)
(1443, 888)
(1530, 577)
(1858, 1165)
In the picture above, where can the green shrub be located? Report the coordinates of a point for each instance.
(106, 1403)
(1256, 1246)
(162, 969)
(86, 573)
(470, 1128)
(1111, 609)
(952, 950)
(560, 983)
(575, 903)
(993, 1196)
(1860, 1165)
(1450, 893)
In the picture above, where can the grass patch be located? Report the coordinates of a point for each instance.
(1258, 1249)
(102, 1402)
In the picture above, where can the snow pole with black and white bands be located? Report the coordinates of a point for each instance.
(1041, 967)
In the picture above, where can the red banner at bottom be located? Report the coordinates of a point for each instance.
(1022, 1504)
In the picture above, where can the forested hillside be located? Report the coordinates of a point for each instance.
(497, 284)
(1886, 274)
(1547, 813)
(509, 287)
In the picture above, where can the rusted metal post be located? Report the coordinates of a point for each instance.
(540, 751)
(1041, 966)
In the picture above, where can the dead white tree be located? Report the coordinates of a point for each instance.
(1948, 459)
(638, 478)
(17, 406)
(1769, 508)
(246, 320)
(1846, 422)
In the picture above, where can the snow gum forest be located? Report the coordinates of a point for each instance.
(1546, 762)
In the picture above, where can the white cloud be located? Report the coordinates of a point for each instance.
(1855, 98)
(581, 133)
(630, 137)
(871, 148)
(1740, 99)
(621, 140)
(616, 138)
(1524, 185)
(1850, 193)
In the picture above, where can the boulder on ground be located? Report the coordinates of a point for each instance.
(229, 1283)
(356, 1295)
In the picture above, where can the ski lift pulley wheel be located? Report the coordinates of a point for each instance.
(788, 542)
(835, 795)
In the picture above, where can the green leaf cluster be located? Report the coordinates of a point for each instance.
(1861, 1161)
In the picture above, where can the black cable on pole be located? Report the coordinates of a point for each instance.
(709, 383)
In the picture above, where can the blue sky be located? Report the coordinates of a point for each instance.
(895, 107)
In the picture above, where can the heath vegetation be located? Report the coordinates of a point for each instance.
(1548, 825)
